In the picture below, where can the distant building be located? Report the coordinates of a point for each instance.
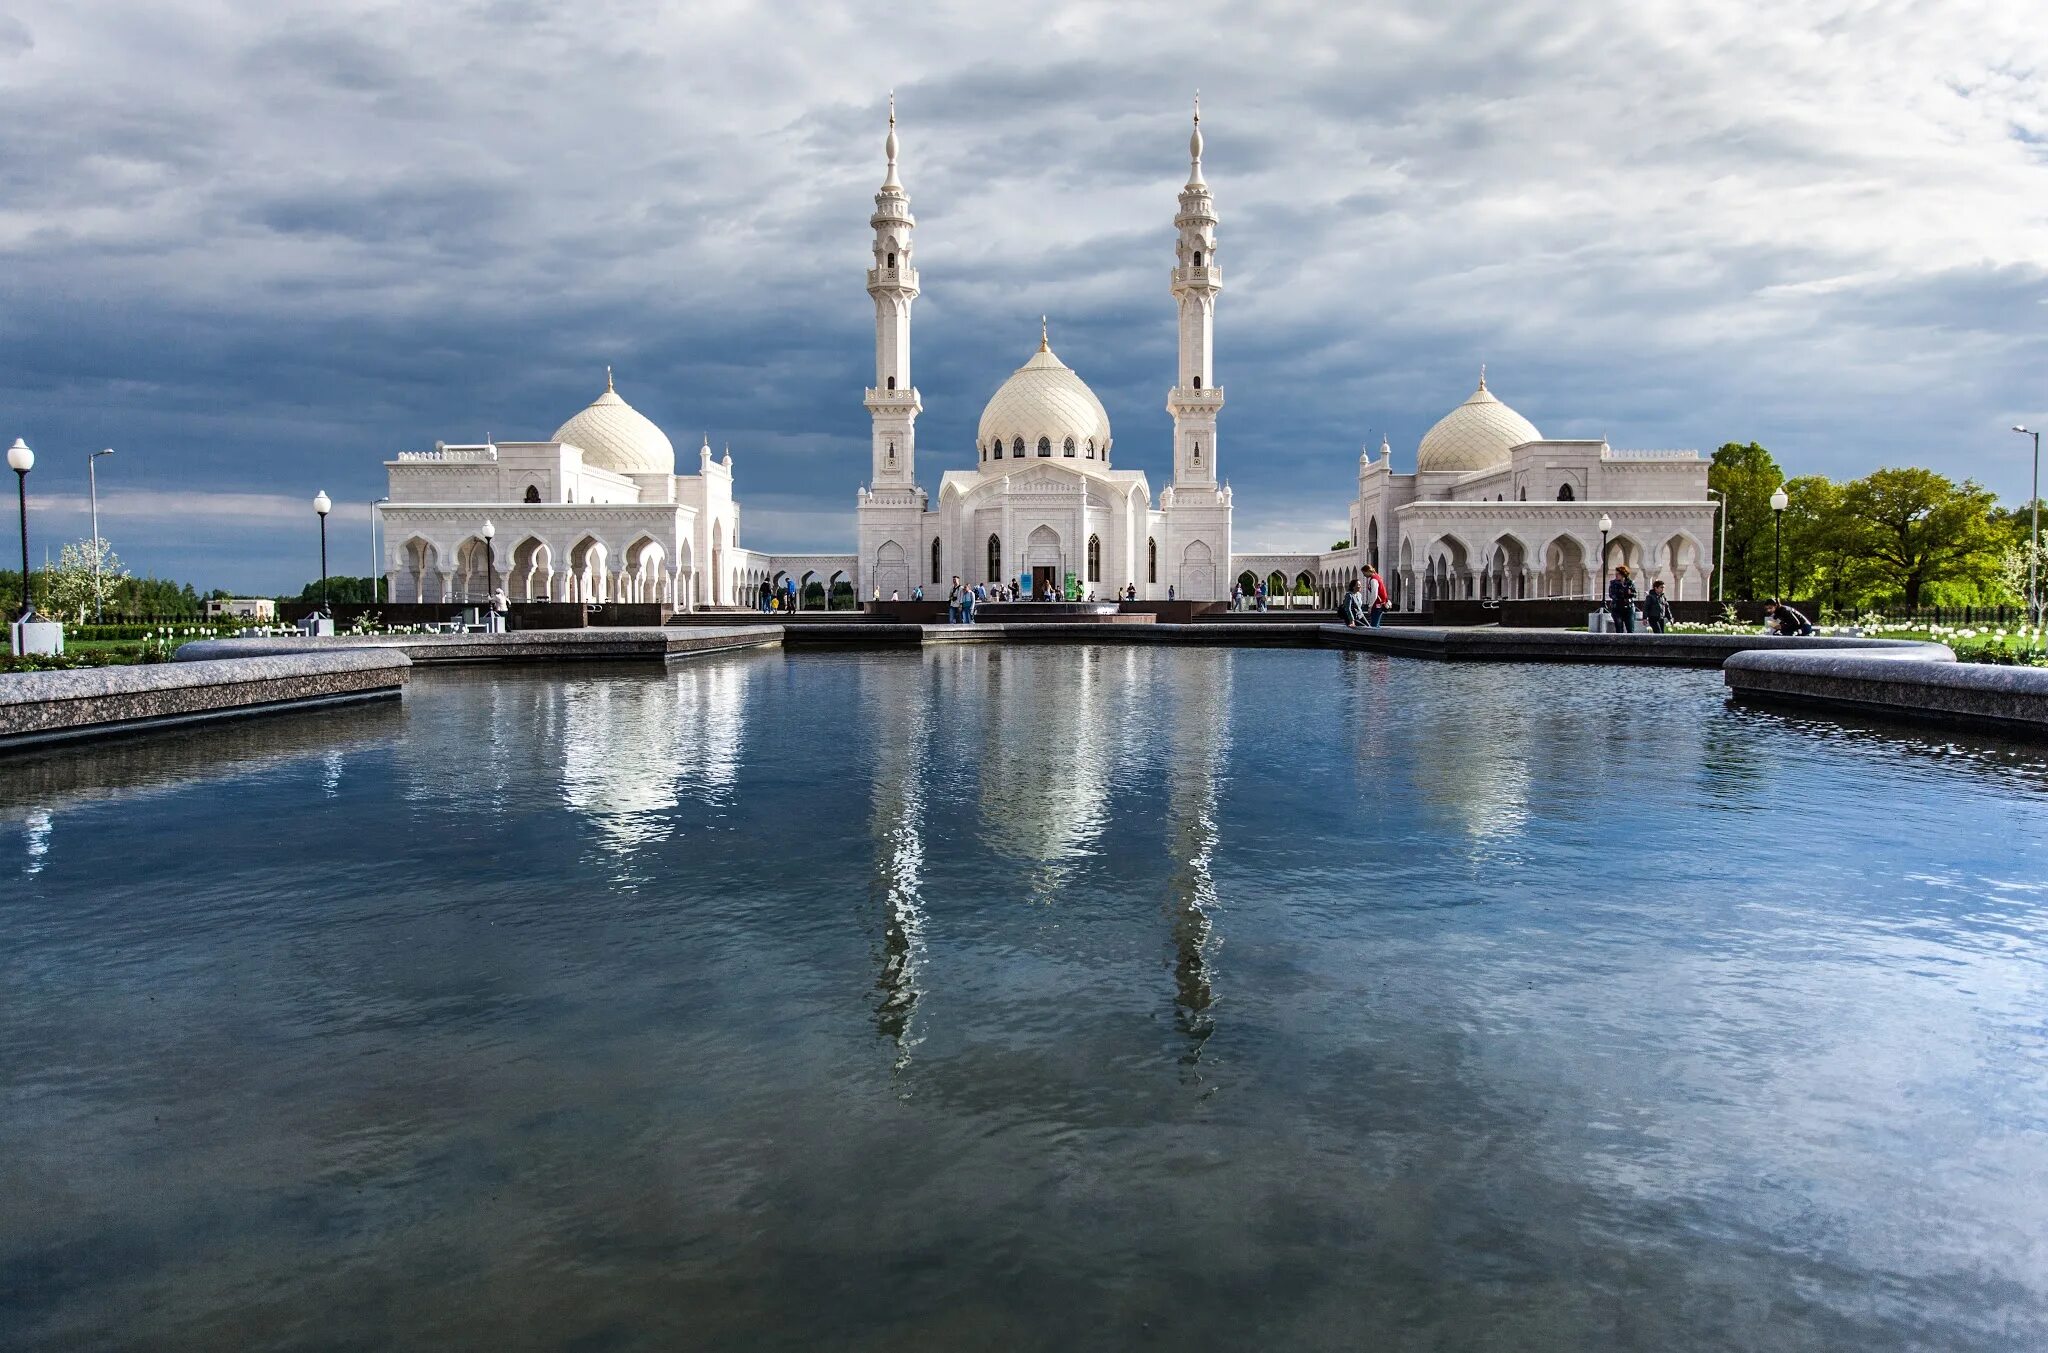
(249, 608)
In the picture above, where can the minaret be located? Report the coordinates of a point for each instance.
(892, 281)
(1195, 397)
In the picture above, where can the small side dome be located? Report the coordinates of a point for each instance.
(1477, 435)
(615, 436)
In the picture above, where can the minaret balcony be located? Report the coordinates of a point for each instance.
(1208, 277)
(898, 401)
(893, 279)
(1185, 399)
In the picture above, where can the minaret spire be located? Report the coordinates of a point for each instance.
(1195, 399)
(892, 282)
(890, 147)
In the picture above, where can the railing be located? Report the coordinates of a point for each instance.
(1612, 454)
(485, 454)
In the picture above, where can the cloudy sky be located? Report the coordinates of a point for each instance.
(258, 248)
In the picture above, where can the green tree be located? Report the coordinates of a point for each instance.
(1747, 475)
(1824, 551)
(1919, 529)
(343, 590)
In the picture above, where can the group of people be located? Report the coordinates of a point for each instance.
(1365, 601)
(773, 599)
(1621, 603)
(1656, 608)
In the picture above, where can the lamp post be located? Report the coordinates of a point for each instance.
(1720, 546)
(1779, 502)
(2034, 533)
(92, 480)
(490, 533)
(376, 553)
(323, 505)
(1606, 525)
(21, 460)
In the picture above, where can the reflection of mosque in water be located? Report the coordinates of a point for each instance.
(1050, 748)
(631, 750)
(1051, 758)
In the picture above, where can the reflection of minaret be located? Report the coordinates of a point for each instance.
(900, 706)
(1198, 740)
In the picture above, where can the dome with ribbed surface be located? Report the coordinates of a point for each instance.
(1044, 399)
(1477, 435)
(615, 436)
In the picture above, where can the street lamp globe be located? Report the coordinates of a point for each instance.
(322, 503)
(1606, 523)
(1779, 501)
(19, 458)
(490, 529)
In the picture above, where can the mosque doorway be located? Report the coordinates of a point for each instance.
(1043, 585)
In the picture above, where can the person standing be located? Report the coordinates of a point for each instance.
(1377, 600)
(968, 601)
(1657, 608)
(953, 607)
(1621, 600)
(764, 595)
(1236, 596)
(1169, 591)
(789, 594)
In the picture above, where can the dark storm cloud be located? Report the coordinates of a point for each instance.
(260, 251)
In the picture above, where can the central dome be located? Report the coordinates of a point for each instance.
(615, 436)
(1045, 408)
(1477, 435)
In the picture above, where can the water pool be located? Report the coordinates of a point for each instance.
(1033, 997)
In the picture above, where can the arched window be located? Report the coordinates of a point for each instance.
(1565, 494)
(1151, 561)
(1095, 559)
(892, 382)
(1070, 446)
(1198, 258)
(1198, 382)
(995, 558)
(1522, 495)
(1091, 448)
(532, 493)
(892, 260)
(1017, 447)
(935, 559)
(998, 444)
(892, 453)
(1198, 453)
(1045, 446)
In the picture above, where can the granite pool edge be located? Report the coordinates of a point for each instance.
(1922, 687)
(40, 708)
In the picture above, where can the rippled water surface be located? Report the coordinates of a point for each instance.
(1053, 998)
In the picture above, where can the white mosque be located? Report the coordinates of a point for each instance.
(598, 512)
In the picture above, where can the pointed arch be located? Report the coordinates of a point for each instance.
(1151, 559)
(938, 562)
(995, 559)
(1094, 558)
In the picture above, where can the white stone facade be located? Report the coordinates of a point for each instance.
(1497, 512)
(598, 514)
(1043, 502)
